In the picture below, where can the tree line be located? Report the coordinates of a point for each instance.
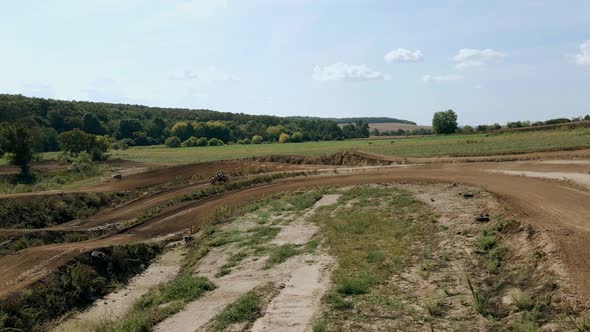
(445, 122)
(137, 125)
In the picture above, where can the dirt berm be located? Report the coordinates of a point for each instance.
(337, 159)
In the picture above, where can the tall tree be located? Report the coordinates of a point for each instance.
(92, 125)
(445, 122)
(17, 140)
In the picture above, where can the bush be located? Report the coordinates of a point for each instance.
(173, 142)
(244, 141)
(202, 141)
(83, 164)
(215, 142)
(192, 141)
(284, 138)
(297, 137)
(256, 139)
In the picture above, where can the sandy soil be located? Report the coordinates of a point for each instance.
(579, 178)
(117, 304)
(558, 207)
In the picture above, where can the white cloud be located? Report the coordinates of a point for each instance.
(441, 78)
(343, 72)
(404, 55)
(583, 58)
(207, 74)
(471, 58)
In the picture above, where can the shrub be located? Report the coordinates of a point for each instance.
(297, 137)
(202, 141)
(192, 141)
(354, 285)
(173, 142)
(215, 142)
(244, 141)
(284, 138)
(256, 139)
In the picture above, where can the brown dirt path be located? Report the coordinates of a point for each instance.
(558, 207)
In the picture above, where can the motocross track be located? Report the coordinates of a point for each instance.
(560, 208)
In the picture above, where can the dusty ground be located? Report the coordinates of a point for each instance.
(302, 280)
(558, 208)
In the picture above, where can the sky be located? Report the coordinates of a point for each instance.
(490, 61)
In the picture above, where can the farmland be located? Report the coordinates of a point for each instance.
(435, 146)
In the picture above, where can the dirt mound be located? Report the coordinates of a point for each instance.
(347, 158)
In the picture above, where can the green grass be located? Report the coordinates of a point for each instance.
(371, 241)
(280, 254)
(453, 145)
(247, 308)
(160, 303)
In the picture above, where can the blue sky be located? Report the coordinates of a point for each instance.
(491, 61)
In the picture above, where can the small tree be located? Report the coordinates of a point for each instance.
(75, 141)
(257, 139)
(202, 141)
(215, 142)
(284, 138)
(297, 137)
(173, 142)
(444, 122)
(467, 130)
(17, 143)
(192, 141)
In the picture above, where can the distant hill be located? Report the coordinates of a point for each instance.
(365, 119)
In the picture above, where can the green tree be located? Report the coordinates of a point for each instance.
(173, 142)
(155, 128)
(182, 130)
(92, 125)
(467, 130)
(202, 141)
(444, 122)
(297, 137)
(17, 141)
(215, 142)
(128, 127)
(76, 141)
(257, 139)
(192, 141)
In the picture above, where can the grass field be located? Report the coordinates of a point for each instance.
(430, 146)
(454, 145)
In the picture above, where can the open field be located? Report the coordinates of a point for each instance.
(361, 244)
(454, 145)
(396, 126)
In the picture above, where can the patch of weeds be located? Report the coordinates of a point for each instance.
(375, 257)
(247, 308)
(354, 285)
(523, 301)
(319, 326)
(426, 267)
(524, 325)
(221, 214)
(160, 303)
(337, 302)
(435, 306)
(479, 300)
(280, 254)
(259, 235)
(232, 262)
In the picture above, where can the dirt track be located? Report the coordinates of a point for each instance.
(560, 208)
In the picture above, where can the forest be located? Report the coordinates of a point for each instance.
(137, 125)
